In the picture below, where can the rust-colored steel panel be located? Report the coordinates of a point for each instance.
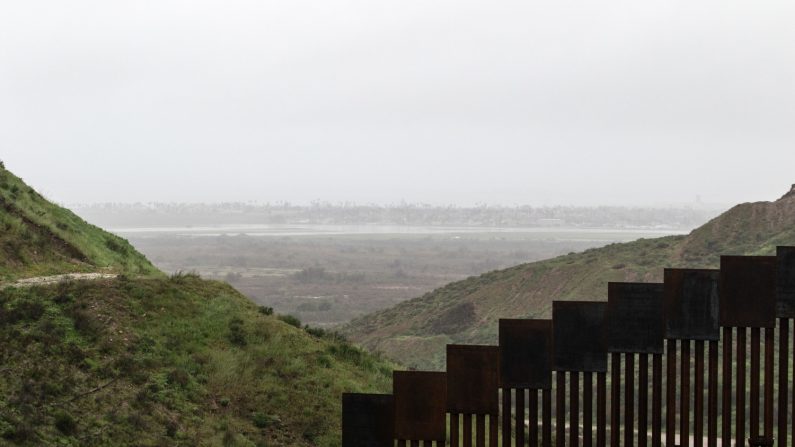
(635, 318)
(506, 417)
(579, 336)
(526, 354)
(783, 379)
(420, 401)
(785, 299)
(473, 379)
(656, 400)
(690, 303)
(748, 291)
(367, 420)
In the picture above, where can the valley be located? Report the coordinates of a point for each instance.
(328, 274)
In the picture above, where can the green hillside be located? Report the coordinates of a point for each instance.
(415, 332)
(39, 238)
(149, 360)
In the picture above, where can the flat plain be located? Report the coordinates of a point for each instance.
(327, 275)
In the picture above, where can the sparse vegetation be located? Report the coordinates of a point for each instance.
(168, 361)
(352, 275)
(291, 320)
(150, 359)
(415, 332)
(39, 238)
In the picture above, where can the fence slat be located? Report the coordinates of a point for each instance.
(739, 409)
(726, 401)
(587, 409)
(684, 395)
(754, 385)
(615, 400)
(698, 399)
(493, 431)
(506, 416)
(480, 430)
(670, 402)
(656, 401)
(783, 380)
(560, 409)
(454, 430)
(532, 414)
(712, 396)
(574, 413)
(519, 399)
(467, 438)
(546, 436)
(629, 399)
(601, 409)
(769, 366)
(643, 400)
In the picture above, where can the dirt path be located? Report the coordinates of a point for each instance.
(55, 279)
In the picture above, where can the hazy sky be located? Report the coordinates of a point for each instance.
(439, 101)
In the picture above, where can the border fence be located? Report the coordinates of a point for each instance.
(702, 359)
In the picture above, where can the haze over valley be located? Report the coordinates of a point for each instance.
(327, 264)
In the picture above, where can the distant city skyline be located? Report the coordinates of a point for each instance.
(446, 102)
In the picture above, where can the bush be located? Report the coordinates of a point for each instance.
(315, 331)
(85, 323)
(237, 333)
(23, 432)
(24, 311)
(179, 377)
(181, 277)
(260, 420)
(265, 310)
(116, 246)
(65, 423)
(291, 320)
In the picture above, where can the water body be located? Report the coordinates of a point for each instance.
(298, 230)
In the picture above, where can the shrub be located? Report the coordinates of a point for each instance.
(260, 420)
(291, 320)
(179, 377)
(23, 432)
(237, 333)
(116, 246)
(181, 277)
(315, 331)
(171, 428)
(65, 423)
(25, 311)
(265, 310)
(85, 323)
(351, 354)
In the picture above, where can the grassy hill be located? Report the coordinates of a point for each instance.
(40, 238)
(149, 360)
(415, 332)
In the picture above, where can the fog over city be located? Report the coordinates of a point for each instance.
(443, 102)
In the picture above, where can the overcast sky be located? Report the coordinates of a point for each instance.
(437, 101)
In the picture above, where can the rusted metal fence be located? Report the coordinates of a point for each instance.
(682, 371)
